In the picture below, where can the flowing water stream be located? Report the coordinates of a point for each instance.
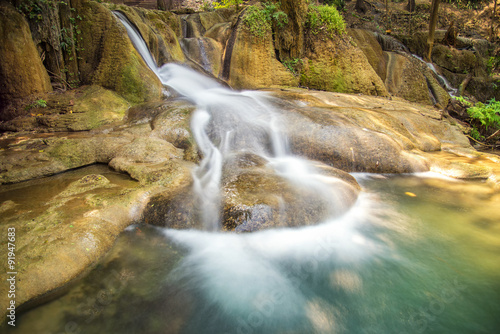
(415, 254)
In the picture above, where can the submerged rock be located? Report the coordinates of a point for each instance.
(255, 197)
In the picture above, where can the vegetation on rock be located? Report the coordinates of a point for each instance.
(259, 20)
(325, 18)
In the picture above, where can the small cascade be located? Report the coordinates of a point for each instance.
(441, 79)
(138, 41)
(194, 45)
(391, 44)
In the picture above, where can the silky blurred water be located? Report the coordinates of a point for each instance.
(416, 254)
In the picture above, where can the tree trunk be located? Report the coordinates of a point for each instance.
(410, 6)
(432, 28)
(492, 31)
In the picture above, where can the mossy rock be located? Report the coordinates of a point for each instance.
(108, 57)
(458, 61)
(21, 71)
(250, 61)
(334, 64)
(368, 43)
(255, 197)
(160, 30)
(405, 78)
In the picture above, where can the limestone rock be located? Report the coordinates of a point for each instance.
(366, 41)
(334, 64)
(255, 197)
(21, 70)
(366, 134)
(250, 61)
(109, 59)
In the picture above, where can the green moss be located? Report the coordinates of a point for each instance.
(320, 75)
(131, 86)
(73, 153)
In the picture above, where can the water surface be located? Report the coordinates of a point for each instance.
(416, 254)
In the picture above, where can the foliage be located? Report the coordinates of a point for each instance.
(493, 64)
(259, 20)
(463, 100)
(37, 104)
(31, 9)
(325, 18)
(227, 3)
(487, 114)
(292, 64)
(468, 4)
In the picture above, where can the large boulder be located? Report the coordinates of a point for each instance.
(332, 63)
(21, 70)
(256, 197)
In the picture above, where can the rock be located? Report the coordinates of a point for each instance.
(173, 209)
(368, 43)
(250, 61)
(69, 231)
(255, 197)
(21, 71)
(173, 125)
(149, 160)
(334, 64)
(206, 52)
(108, 57)
(289, 39)
(458, 61)
(366, 134)
(405, 79)
(85, 108)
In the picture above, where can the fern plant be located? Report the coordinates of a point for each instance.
(487, 114)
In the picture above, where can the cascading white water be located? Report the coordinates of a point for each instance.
(226, 123)
(243, 275)
(442, 80)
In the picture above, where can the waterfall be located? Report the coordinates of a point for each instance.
(227, 123)
(138, 42)
(441, 79)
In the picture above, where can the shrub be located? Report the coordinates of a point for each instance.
(259, 20)
(325, 18)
